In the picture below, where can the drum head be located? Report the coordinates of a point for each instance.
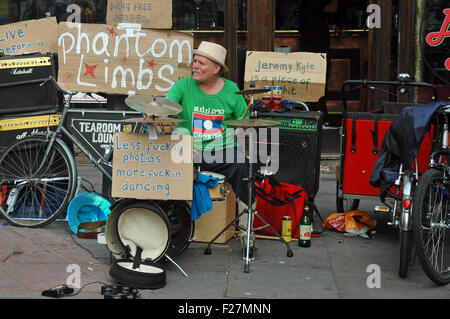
(145, 228)
(137, 224)
(157, 227)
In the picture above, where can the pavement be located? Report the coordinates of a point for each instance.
(334, 267)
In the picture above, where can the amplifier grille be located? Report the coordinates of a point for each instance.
(299, 151)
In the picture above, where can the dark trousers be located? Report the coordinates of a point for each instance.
(232, 164)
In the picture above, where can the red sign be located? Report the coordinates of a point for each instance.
(436, 38)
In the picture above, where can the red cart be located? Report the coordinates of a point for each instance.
(361, 135)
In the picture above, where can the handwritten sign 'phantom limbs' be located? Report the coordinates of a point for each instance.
(436, 38)
(104, 58)
(301, 75)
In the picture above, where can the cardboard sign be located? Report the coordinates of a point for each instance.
(149, 14)
(29, 36)
(301, 75)
(146, 168)
(104, 58)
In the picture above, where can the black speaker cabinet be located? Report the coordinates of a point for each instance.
(300, 137)
(20, 78)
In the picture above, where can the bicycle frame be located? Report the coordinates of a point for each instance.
(442, 139)
(61, 129)
(408, 180)
(39, 172)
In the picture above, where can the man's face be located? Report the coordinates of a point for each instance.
(203, 69)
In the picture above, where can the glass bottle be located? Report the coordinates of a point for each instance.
(304, 239)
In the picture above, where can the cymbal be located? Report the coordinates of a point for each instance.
(251, 123)
(146, 103)
(252, 91)
(155, 120)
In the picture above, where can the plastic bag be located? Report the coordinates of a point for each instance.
(353, 223)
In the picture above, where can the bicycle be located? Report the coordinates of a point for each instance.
(38, 174)
(401, 214)
(431, 216)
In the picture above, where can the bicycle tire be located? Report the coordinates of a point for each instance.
(42, 192)
(406, 244)
(353, 204)
(430, 223)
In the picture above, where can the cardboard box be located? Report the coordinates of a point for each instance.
(208, 225)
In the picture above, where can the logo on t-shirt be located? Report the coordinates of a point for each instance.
(207, 124)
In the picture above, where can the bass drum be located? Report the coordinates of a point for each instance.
(148, 229)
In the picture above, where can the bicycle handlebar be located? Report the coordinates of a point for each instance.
(372, 84)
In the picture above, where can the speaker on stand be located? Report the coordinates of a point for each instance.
(299, 150)
(300, 137)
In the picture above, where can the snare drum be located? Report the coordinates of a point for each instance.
(217, 193)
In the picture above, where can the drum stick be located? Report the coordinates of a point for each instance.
(248, 108)
(272, 237)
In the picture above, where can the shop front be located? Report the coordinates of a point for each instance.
(374, 39)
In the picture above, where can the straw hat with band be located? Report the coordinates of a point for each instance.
(213, 51)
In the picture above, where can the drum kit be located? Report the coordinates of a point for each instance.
(132, 221)
(251, 122)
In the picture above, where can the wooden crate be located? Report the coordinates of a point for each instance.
(208, 225)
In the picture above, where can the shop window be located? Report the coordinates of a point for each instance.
(205, 14)
(351, 14)
(434, 57)
(92, 11)
(187, 14)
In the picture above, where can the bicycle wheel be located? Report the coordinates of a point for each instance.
(345, 204)
(35, 190)
(431, 221)
(406, 247)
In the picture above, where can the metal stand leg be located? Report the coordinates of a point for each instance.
(208, 248)
(249, 230)
(249, 217)
(289, 250)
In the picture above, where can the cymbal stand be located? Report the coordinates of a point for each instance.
(249, 229)
(154, 130)
(250, 108)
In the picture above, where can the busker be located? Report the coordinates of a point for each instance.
(209, 100)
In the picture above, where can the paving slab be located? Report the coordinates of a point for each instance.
(32, 260)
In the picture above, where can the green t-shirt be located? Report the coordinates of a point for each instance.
(205, 114)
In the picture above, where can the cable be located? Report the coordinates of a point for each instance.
(79, 245)
(89, 283)
(107, 290)
(92, 185)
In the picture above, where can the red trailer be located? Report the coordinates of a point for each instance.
(361, 136)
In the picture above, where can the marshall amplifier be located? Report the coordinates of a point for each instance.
(300, 137)
(20, 90)
(19, 127)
